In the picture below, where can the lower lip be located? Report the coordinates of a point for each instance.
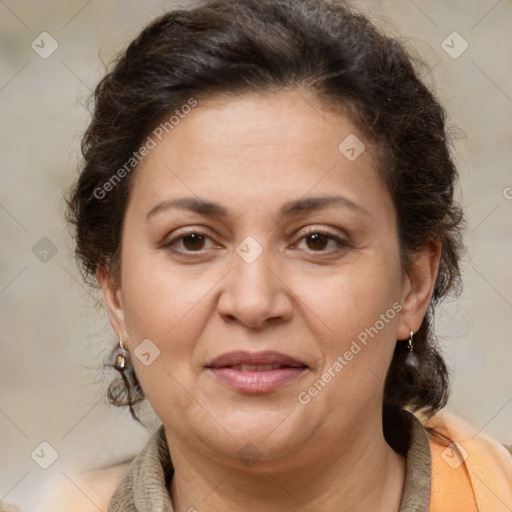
(257, 382)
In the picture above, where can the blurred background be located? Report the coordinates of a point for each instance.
(54, 335)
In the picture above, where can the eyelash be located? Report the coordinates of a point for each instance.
(341, 244)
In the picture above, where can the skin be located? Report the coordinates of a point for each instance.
(252, 154)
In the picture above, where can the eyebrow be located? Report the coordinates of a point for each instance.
(289, 209)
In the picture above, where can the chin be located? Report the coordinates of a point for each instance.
(262, 436)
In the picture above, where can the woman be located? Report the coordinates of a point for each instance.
(267, 204)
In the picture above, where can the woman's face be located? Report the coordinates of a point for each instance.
(276, 323)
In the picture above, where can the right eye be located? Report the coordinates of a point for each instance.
(192, 242)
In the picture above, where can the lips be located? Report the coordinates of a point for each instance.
(256, 372)
(256, 368)
(258, 359)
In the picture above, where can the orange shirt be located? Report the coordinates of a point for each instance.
(470, 470)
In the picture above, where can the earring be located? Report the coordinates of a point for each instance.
(121, 357)
(410, 344)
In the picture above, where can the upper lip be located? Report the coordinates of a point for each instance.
(240, 357)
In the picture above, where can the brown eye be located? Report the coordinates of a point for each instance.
(318, 241)
(191, 242)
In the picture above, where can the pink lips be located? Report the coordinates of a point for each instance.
(256, 372)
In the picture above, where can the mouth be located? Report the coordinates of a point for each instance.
(257, 368)
(256, 372)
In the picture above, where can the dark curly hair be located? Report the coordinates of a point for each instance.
(233, 47)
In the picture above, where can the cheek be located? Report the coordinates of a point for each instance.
(353, 297)
(158, 299)
(163, 307)
(356, 311)
(167, 305)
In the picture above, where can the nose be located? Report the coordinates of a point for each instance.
(254, 293)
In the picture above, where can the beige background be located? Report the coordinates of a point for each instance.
(53, 340)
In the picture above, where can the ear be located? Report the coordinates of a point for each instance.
(418, 288)
(113, 300)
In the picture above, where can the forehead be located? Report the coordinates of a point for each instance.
(259, 147)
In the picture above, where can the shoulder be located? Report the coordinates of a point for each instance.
(466, 458)
(482, 446)
(90, 491)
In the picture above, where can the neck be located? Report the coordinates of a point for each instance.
(361, 474)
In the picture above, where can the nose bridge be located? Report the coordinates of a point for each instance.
(251, 275)
(252, 292)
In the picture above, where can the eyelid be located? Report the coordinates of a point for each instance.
(341, 240)
(324, 231)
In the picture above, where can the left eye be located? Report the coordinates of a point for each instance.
(317, 241)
